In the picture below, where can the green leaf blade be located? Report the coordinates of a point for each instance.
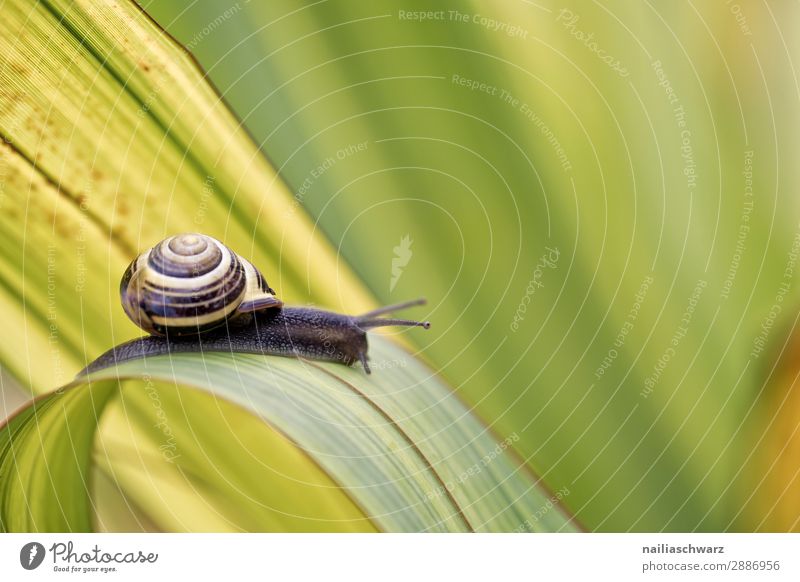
(413, 455)
(44, 459)
(397, 445)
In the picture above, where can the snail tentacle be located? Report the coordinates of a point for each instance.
(392, 308)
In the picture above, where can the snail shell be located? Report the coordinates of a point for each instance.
(190, 283)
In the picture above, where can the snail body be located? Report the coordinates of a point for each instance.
(290, 331)
(193, 294)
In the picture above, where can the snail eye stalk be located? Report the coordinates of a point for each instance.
(370, 319)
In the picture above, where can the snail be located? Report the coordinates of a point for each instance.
(191, 293)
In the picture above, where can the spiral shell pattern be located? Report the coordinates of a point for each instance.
(189, 283)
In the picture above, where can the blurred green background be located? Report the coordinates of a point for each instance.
(641, 140)
(594, 197)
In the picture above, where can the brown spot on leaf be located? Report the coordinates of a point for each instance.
(122, 207)
(19, 69)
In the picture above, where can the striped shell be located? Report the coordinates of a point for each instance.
(190, 283)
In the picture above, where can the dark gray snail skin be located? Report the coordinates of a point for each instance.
(289, 331)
